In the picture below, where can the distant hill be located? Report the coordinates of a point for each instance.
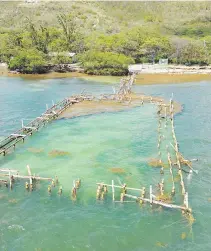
(174, 18)
(106, 36)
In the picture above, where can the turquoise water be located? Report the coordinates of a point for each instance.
(95, 144)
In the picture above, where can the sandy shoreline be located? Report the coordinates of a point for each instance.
(141, 79)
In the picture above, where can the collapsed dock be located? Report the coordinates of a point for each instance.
(170, 160)
(33, 126)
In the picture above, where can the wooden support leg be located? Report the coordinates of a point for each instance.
(49, 189)
(113, 191)
(10, 178)
(150, 195)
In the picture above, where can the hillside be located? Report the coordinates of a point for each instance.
(111, 17)
(144, 31)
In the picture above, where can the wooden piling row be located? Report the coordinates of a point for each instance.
(126, 84)
(142, 198)
(177, 155)
(171, 173)
(13, 174)
(159, 139)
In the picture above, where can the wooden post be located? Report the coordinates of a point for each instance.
(143, 195)
(98, 191)
(74, 191)
(150, 194)
(10, 180)
(186, 199)
(30, 177)
(113, 195)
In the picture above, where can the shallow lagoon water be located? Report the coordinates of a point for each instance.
(95, 144)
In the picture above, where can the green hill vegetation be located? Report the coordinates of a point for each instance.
(106, 36)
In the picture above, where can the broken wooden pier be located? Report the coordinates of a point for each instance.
(33, 126)
(13, 175)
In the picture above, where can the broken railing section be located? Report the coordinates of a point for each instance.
(102, 191)
(121, 94)
(166, 113)
(26, 130)
(125, 87)
(30, 180)
(12, 176)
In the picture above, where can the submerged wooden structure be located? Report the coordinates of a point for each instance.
(13, 175)
(33, 126)
(170, 163)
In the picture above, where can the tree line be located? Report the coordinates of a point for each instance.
(29, 49)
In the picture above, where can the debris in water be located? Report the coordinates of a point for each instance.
(155, 163)
(177, 178)
(55, 153)
(35, 150)
(183, 236)
(160, 244)
(190, 219)
(16, 227)
(13, 201)
(117, 170)
(165, 198)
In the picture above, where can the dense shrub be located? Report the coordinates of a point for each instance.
(28, 61)
(105, 63)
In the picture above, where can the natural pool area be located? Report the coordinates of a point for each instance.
(94, 146)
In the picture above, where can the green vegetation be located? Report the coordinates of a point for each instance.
(28, 61)
(106, 36)
(105, 63)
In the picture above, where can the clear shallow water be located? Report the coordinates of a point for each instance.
(97, 143)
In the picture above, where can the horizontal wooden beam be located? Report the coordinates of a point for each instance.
(129, 188)
(27, 177)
